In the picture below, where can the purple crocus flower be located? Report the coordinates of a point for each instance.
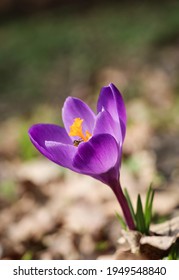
(89, 143)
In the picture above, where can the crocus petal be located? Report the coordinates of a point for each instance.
(106, 124)
(111, 100)
(98, 155)
(61, 154)
(75, 108)
(49, 132)
(41, 133)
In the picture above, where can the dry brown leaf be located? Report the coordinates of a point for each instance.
(156, 247)
(128, 255)
(168, 228)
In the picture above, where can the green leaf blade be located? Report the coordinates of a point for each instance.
(130, 204)
(140, 219)
(121, 221)
(148, 207)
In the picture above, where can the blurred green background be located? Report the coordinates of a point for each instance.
(52, 49)
(46, 54)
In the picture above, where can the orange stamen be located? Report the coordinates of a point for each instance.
(76, 130)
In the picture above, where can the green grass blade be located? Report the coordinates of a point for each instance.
(149, 217)
(148, 207)
(148, 198)
(129, 203)
(121, 221)
(140, 219)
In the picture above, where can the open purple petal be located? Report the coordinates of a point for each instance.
(49, 132)
(98, 155)
(75, 108)
(106, 124)
(61, 154)
(42, 134)
(111, 100)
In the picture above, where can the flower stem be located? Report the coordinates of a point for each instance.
(124, 205)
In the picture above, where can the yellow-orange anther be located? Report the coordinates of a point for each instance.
(76, 130)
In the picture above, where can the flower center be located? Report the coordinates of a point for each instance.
(76, 130)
